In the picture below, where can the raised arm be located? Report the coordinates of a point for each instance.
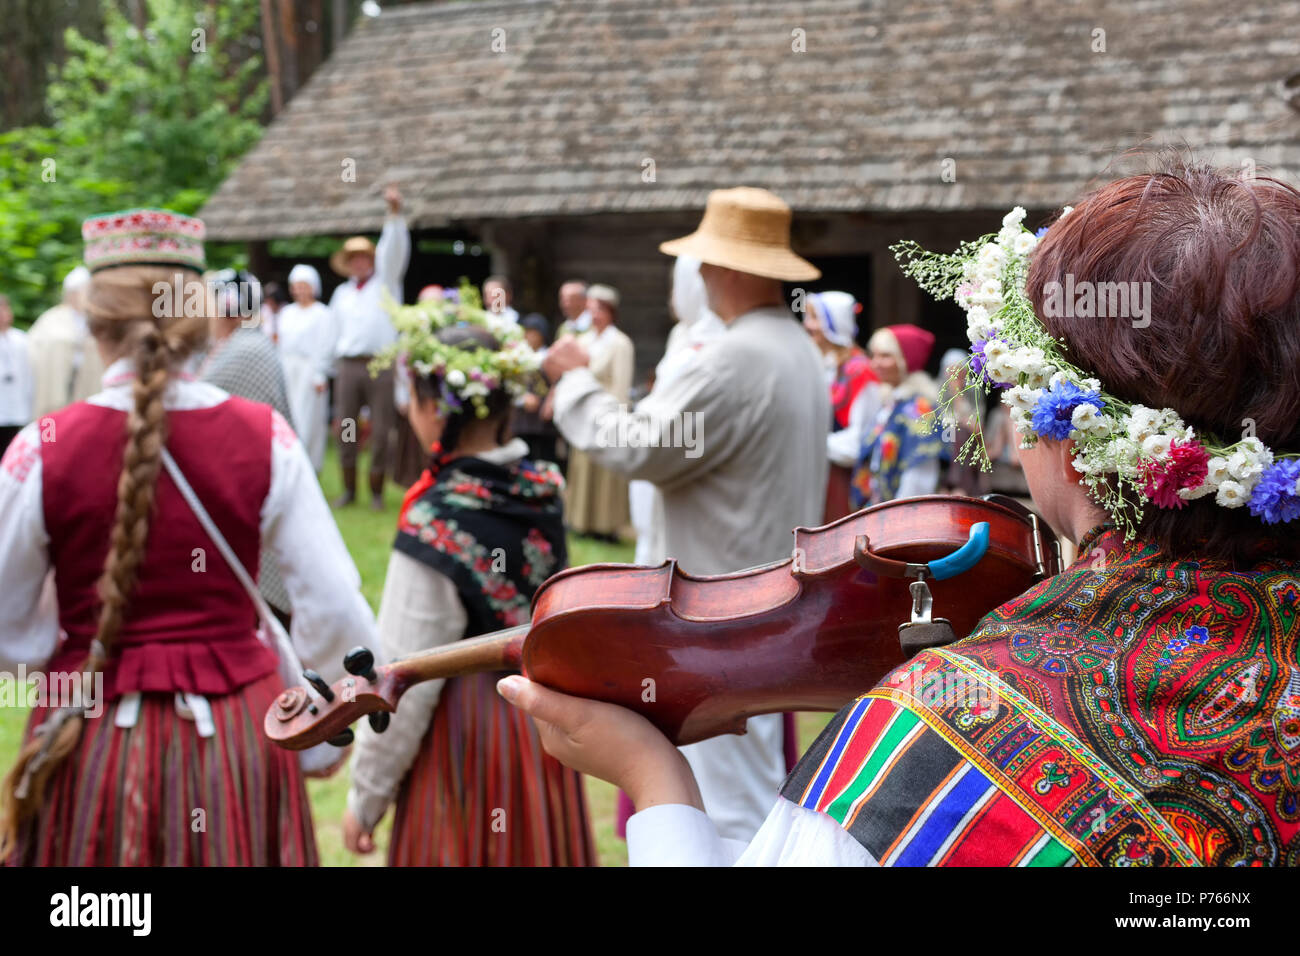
(393, 252)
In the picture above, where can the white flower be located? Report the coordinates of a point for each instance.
(1157, 446)
(1244, 466)
(1218, 471)
(1027, 358)
(1144, 422)
(979, 325)
(1065, 212)
(991, 256)
(1003, 370)
(1088, 420)
(1200, 491)
(1015, 217)
(456, 378)
(474, 389)
(1024, 244)
(1123, 455)
(1023, 420)
(1021, 397)
(995, 350)
(1231, 495)
(1255, 448)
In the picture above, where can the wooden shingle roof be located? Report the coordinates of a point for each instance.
(565, 119)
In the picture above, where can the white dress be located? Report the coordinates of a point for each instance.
(307, 339)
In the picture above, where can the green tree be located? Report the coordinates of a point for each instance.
(153, 117)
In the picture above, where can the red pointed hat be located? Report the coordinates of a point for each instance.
(914, 342)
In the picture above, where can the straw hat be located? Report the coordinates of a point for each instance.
(748, 230)
(339, 260)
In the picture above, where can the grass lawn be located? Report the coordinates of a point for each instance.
(369, 536)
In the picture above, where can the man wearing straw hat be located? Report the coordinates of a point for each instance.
(736, 443)
(364, 329)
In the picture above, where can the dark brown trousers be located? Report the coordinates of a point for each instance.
(355, 388)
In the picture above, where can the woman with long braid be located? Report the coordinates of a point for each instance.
(153, 751)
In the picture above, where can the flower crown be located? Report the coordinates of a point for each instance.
(469, 372)
(1129, 455)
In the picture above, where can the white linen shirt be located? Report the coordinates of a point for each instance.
(16, 384)
(677, 835)
(364, 327)
(330, 614)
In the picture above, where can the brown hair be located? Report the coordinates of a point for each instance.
(122, 309)
(1221, 254)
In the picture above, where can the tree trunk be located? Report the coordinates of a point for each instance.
(272, 49)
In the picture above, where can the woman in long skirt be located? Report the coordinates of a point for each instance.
(477, 536)
(147, 748)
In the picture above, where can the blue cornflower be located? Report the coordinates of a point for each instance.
(1274, 498)
(1042, 231)
(977, 358)
(1054, 412)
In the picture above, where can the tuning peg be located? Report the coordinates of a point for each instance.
(378, 720)
(322, 688)
(360, 662)
(342, 739)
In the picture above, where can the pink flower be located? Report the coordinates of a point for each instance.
(1185, 466)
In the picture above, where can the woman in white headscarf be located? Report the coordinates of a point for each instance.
(308, 333)
(696, 324)
(831, 320)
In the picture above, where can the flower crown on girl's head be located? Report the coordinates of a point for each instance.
(469, 372)
(1129, 455)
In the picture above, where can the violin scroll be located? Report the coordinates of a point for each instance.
(296, 721)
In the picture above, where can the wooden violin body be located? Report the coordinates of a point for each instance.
(699, 655)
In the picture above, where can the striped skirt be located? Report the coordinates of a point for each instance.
(158, 794)
(482, 792)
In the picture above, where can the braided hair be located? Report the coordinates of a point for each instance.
(122, 314)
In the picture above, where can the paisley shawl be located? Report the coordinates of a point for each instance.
(1131, 711)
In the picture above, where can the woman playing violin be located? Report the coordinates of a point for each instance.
(1143, 706)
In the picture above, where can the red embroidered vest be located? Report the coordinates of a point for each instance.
(188, 625)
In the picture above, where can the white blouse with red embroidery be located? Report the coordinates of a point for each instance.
(330, 614)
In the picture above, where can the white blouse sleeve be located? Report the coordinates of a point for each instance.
(393, 253)
(330, 615)
(420, 610)
(29, 621)
(677, 835)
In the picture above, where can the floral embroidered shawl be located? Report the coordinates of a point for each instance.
(497, 531)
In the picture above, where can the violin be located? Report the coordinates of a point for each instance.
(698, 656)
